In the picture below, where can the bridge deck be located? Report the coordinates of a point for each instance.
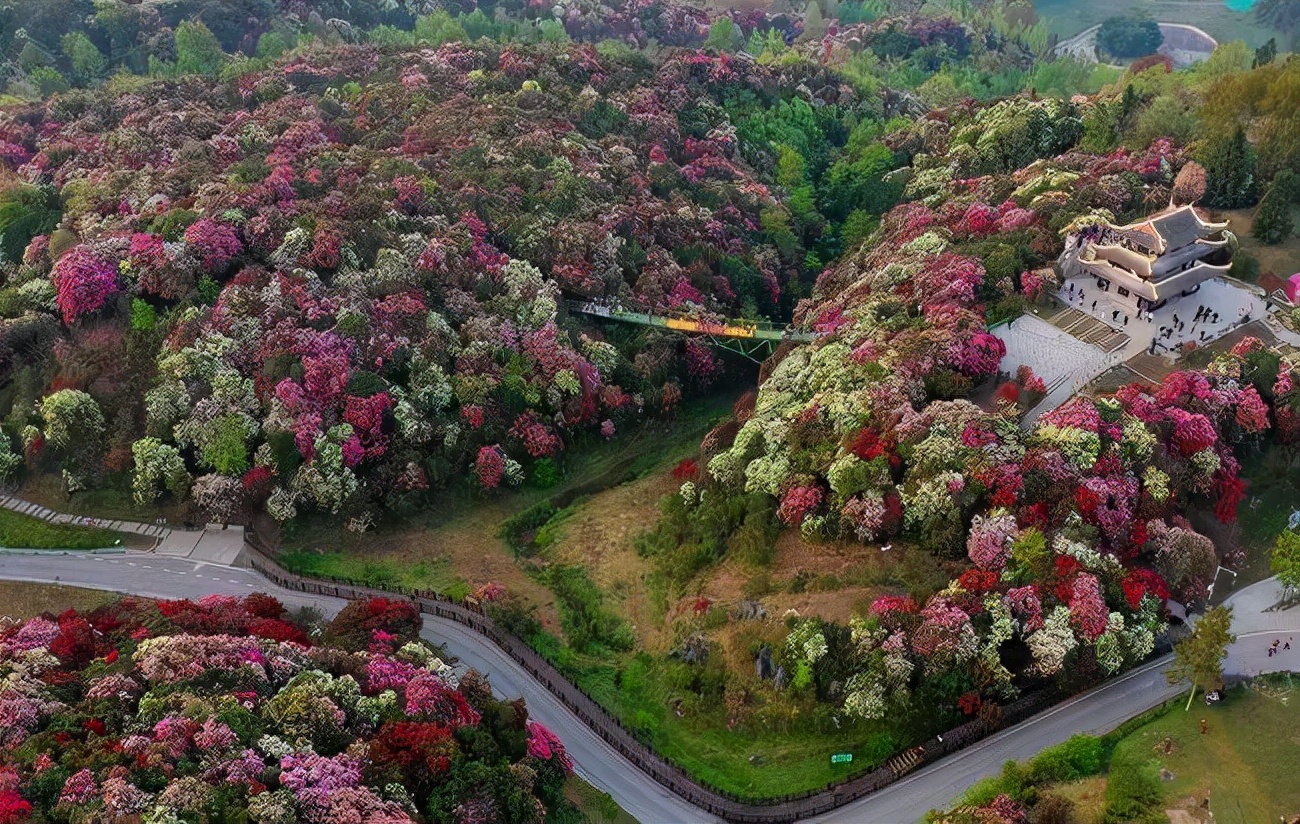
(751, 330)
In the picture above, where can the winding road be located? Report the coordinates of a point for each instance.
(906, 801)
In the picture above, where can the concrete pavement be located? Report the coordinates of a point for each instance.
(937, 785)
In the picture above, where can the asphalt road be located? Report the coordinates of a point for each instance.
(159, 577)
(937, 785)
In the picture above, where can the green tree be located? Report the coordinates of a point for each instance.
(1285, 560)
(88, 62)
(1133, 792)
(143, 315)
(791, 170)
(1230, 172)
(814, 23)
(439, 28)
(1129, 37)
(48, 80)
(1265, 54)
(226, 450)
(74, 431)
(71, 417)
(722, 35)
(1199, 657)
(859, 183)
(197, 50)
(25, 212)
(1273, 218)
(157, 464)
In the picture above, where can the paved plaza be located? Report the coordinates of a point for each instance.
(1054, 354)
(1063, 361)
(1173, 329)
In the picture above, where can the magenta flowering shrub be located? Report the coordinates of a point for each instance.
(1088, 610)
(798, 503)
(215, 244)
(83, 282)
(172, 721)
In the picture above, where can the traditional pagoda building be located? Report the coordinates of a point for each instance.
(1168, 254)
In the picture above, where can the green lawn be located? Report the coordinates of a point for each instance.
(1247, 761)
(23, 532)
(597, 807)
(1244, 764)
(378, 572)
(1273, 494)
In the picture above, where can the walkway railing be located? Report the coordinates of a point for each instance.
(733, 328)
(725, 805)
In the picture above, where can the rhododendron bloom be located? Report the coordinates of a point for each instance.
(83, 282)
(216, 244)
(1087, 607)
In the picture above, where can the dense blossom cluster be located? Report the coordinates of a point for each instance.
(167, 709)
(358, 296)
(1074, 525)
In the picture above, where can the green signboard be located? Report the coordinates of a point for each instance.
(841, 758)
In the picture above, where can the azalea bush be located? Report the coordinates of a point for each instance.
(174, 710)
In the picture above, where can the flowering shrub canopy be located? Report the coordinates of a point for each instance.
(168, 709)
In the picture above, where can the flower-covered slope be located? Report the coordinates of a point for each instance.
(180, 711)
(1074, 529)
(356, 291)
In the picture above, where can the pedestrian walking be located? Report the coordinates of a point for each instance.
(1175, 318)
(1071, 288)
(1216, 318)
(1287, 645)
(1204, 727)
(1094, 306)
(1126, 320)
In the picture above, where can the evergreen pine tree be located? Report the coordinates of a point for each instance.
(1265, 54)
(1273, 218)
(1230, 172)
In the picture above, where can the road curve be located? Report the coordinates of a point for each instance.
(158, 577)
(937, 785)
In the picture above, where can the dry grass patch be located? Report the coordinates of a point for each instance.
(1089, 797)
(1282, 260)
(20, 600)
